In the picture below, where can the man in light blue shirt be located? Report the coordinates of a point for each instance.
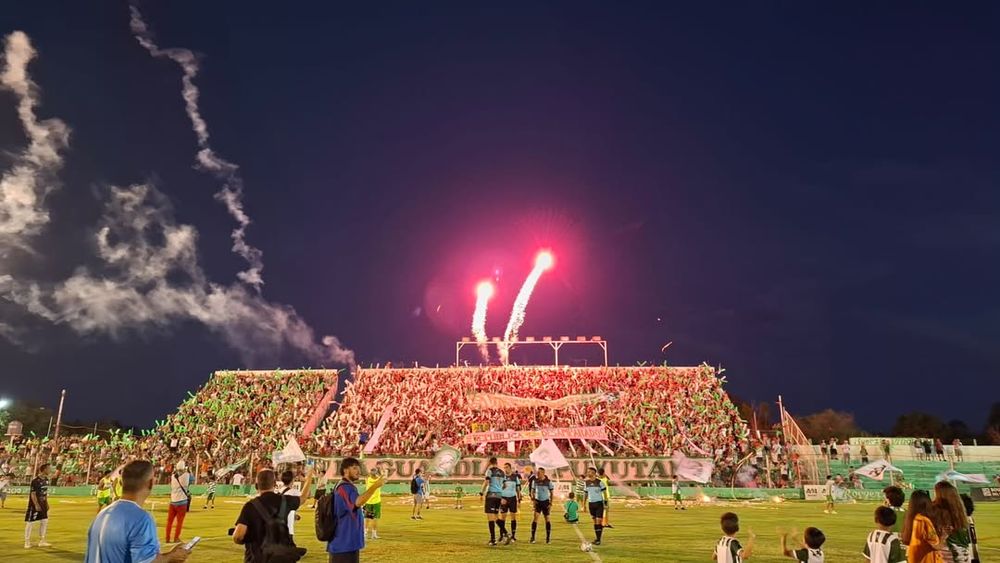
(125, 533)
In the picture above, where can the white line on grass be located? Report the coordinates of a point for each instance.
(579, 534)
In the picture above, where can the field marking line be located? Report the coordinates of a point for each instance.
(594, 556)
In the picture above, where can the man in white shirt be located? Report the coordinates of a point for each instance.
(180, 500)
(238, 481)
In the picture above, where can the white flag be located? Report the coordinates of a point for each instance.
(877, 469)
(290, 454)
(687, 469)
(953, 475)
(548, 456)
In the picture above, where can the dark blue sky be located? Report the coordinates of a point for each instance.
(806, 195)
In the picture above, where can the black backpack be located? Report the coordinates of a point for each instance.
(277, 546)
(326, 524)
(414, 489)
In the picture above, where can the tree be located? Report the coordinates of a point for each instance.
(992, 430)
(33, 417)
(829, 424)
(919, 425)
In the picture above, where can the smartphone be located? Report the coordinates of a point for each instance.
(194, 541)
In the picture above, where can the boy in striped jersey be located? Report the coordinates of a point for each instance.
(729, 550)
(883, 544)
(812, 546)
(210, 492)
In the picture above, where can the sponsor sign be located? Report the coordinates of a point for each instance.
(985, 494)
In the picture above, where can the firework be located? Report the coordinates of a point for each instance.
(543, 262)
(484, 291)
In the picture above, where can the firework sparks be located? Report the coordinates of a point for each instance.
(484, 291)
(543, 262)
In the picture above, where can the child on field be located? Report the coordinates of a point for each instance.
(894, 499)
(812, 546)
(729, 550)
(675, 489)
(571, 508)
(884, 545)
(458, 497)
(829, 495)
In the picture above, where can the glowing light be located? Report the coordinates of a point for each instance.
(4, 403)
(543, 262)
(484, 292)
(706, 498)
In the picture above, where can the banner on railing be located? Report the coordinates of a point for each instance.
(491, 401)
(574, 433)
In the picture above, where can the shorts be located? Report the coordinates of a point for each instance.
(677, 496)
(373, 511)
(829, 498)
(508, 504)
(32, 515)
(543, 507)
(491, 505)
(211, 496)
(3, 495)
(347, 557)
(103, 501)
(418, 498)
(596, 509)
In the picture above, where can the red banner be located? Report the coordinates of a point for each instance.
(575, 433)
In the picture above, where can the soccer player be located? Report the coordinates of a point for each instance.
(894, 498)
(458, 497)
(883, 545)
(812, 546)
(541, 489)
(729, 550)
(210, 491)
(373, 507)
(595, 501)
(38, 507)
(4, 484)
(607, 496)
(510, 497)
(829, 496)
(675, 489)
(572, 508)
(104, 490)
(492, 486)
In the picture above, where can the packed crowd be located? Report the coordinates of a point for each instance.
(653, 411)
(234, 416)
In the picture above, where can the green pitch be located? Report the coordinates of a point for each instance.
(647, 532)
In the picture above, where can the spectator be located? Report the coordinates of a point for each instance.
(864, 454)
(845, 449)
(919, 532)
(293, 499)
(180, 501)
(124, 531)
(349, 539)
(939, 449)
(953, 523)
(956, 446)
(251, 526)
(886, 450)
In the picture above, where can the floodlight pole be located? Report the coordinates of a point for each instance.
(62, 399)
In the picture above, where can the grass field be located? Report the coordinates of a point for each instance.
(651, 532)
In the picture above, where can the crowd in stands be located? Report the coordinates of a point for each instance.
(656, 410)
(234, 416)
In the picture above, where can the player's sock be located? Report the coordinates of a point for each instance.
(513, 528)
(598, 530)
(548, 530)
(534, 526)
(27, 532)
(42, 529)
(493, 530)
(503, 527)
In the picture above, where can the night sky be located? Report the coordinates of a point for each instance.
(806, 195)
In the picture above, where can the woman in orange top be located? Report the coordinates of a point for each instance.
(919, 534)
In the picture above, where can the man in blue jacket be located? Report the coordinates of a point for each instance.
(349, 539)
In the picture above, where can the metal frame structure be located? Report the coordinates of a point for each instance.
(555, 344)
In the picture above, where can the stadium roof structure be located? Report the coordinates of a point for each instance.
(554, 343)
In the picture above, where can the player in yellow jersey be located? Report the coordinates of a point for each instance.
(373, 508)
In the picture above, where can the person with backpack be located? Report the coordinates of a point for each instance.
(417, 490)
(262, 527)
(339, 514)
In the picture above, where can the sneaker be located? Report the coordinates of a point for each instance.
(507, 541)
(413, 517)
(547, 540)
(374, 535)
(491, 543)
(826, 512)
(597, 542)
(27, 545)
(44, 543)
(419, 517)
(683, 508)
(608, 526)
(532, 540)
(513, 539)
(833, 512)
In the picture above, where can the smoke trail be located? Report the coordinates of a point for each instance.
(147, 275)
(24, 187)
(231, 194)
(483, 294)
(542, 263)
